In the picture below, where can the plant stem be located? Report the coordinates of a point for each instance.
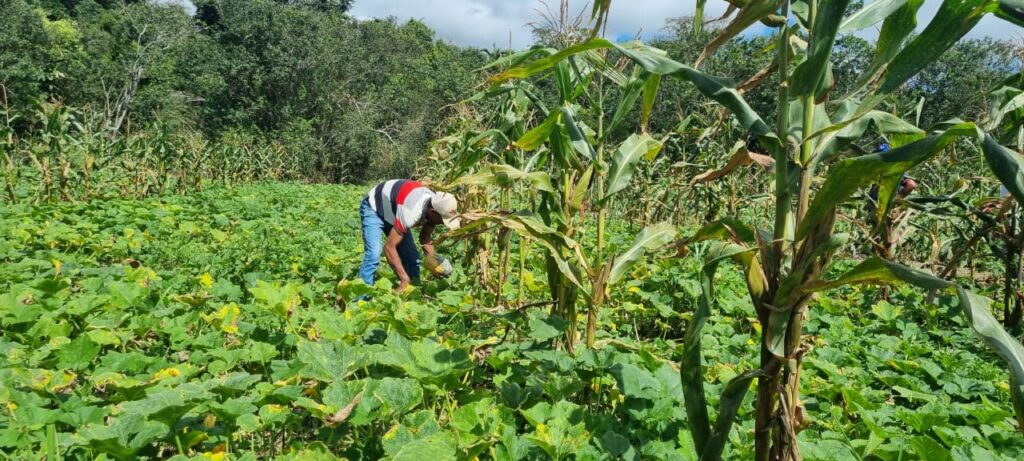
(602, 216)
(767, 388)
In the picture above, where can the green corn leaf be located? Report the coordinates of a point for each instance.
(886, 168)
(629, 96)
(809, 75)
(691, 365)
(503, 175)
(1002, 102)
(883, 122)
(577, 139)
(655, 61)
(518, 58)
(1012, 10)
(724, 229)
(624, 161)
(976, 309)
(895, 31)
(536, 136)
(1007, 166)
(954, 19)
(870, 15)
(651, 238)
(650, 94)
(582, 185)
(563, 77)
(528, 225)
(698, 16)
(728, 405)
(52, 449)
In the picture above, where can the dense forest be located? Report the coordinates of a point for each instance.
(307, 92)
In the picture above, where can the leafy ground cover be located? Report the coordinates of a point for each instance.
(215, 326)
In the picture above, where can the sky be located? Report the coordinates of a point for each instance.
(488, 23)
(501, 23)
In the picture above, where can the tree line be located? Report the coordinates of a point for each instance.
(327, 97)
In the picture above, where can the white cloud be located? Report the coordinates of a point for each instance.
(488, 23)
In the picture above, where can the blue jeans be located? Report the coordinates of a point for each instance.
(374, 231)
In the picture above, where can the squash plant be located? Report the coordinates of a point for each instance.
(785, 266)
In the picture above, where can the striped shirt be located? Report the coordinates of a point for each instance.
(400, 202)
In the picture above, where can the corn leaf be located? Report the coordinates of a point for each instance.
(870, 15)
(577, 139)
(1012, 10)
(728, 405)
(883, 122)
(886, 168)
(535, 137)
(1007, 166)
(651, 238)
(895, 32)
(740, 157)
(528, 225)
(954, 19)
(625, 160)
(655, 61)
(808, 76)
(630, 94)
(504, 175)
(691, 365)
(650, 94)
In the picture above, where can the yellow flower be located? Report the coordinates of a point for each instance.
(226, 319)
(172, 372)
(214, 456)
(57, 265)
(12, 406)
(634, 289)
(1004, 385)
(206, 280)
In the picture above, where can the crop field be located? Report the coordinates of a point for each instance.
(217, 326)
(768, 230)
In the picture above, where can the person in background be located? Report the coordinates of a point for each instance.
(390, 211)
(906, 187)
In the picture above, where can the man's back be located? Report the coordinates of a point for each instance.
(400, 202)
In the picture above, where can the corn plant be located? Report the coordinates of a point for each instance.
(786, 266)
(573, 176)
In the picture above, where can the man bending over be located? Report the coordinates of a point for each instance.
(390, 211)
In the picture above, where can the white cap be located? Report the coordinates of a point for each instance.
(446, 206)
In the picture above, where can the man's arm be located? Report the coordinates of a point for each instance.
(391, 251)
(426, 239)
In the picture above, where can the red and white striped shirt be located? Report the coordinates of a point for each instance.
(400, 202)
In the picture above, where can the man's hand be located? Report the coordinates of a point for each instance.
(428, 248)
(402, 286)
